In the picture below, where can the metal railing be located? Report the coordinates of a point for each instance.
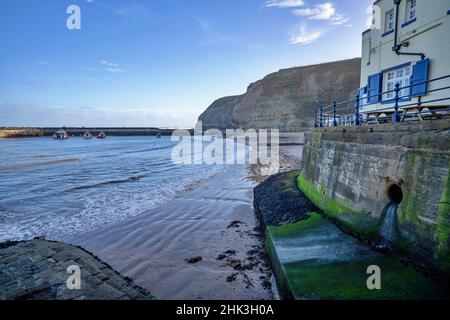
(341, 114)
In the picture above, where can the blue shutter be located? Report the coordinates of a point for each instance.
(374, 88)
(419, 76)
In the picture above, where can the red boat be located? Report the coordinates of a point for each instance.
(101, 135)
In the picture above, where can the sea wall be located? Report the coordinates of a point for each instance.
(353, 173)
(20, 133)
(48, 132)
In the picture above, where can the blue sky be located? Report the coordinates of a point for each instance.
(157, 62)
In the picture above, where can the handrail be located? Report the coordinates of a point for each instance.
(389, 91)
(355, 112)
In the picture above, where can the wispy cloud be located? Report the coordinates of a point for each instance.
(284, 3)
(111, 66)
(322, 12)
(211, 35)
(45, 63)
(91, 69)
(121, 11)
(302, 35)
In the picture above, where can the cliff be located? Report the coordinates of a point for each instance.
(286, 99)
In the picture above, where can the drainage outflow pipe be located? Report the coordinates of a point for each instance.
(397, 47)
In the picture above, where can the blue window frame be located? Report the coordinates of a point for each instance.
(407, 23)
(387, 33)
(400, 74)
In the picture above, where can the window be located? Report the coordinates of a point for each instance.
(410, 9)
(402, 76)
(389, 23)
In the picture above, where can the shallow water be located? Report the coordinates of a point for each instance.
(63, 189)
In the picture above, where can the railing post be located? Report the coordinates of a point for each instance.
(334, 114)
(357, 111)
(396, 116)
(316, 115)
(321, 117)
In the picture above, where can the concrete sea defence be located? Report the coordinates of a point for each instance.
(20, 133)
(48, 132)
(354, 174)
(37, 270)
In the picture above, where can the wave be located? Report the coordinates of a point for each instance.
(100, 209)
(34, 165)
(107, 183)
(148, 150)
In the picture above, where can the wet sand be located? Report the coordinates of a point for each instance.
(214, 222)
(152, 248)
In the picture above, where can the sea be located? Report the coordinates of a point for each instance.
(63, 189)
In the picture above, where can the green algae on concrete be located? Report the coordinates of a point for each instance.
(443, 226)
(287, 230)
(313, 259)
(348, 173)
(358, 222)
(313, 279)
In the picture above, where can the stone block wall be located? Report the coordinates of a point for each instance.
(354, 173)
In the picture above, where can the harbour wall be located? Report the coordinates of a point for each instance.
(352, 174)
(48, 132)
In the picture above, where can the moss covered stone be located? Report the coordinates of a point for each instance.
(313, 259)
(358, 222)
(348, 172)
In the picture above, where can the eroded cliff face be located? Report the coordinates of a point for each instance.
(286, 99)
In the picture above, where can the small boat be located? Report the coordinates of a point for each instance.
(60, 135)
(87, 136)
(101, 135)
(158, 135)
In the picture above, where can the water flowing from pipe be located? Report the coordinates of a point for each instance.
(389, 224)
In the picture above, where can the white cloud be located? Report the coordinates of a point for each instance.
(339, 19)
(111, 66)
(322, 12)
(284, 3)
(125, 11)
(211, 34)
(303, 36)
(91, 69)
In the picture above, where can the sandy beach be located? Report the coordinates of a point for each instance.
(203, 245)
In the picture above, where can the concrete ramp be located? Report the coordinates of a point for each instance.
(314, 259)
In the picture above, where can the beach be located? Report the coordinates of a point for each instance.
(202, 245)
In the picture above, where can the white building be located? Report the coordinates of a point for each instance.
(408, 44)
